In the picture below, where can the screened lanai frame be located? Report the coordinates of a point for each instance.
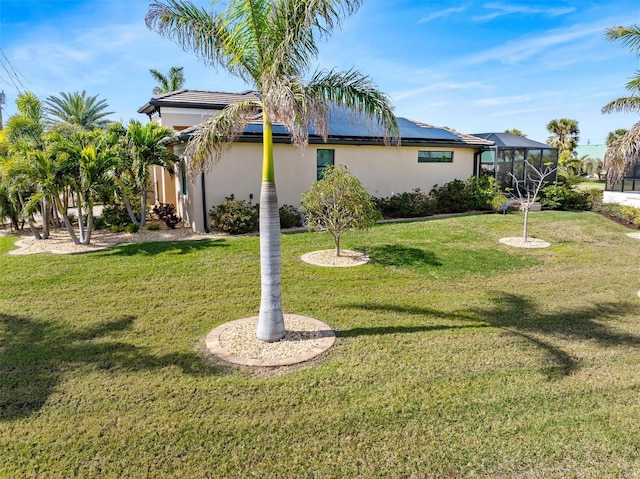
(509, 157)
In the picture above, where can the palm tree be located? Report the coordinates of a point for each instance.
(85, 162)
(173, 81)
(25, 136)
(623, 149)
(270, 44)
(78, 109)
(515, 131)
(564, 134)
(145, 148)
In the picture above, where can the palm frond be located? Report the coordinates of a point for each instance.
(216, 135)
(630, 104)
(622, 154)
(356, 92)
(630, 36)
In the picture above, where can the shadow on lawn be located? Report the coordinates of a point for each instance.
(158, 247)
(34, 355)
(400, 256)
(521, 317)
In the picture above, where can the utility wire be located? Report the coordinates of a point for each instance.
(14, 75)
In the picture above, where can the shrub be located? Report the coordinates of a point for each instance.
(152, 226)
(290, 216)
(166, 212)
(453, 197)
(234, 216)
(484, 192)
(99, 223)
(115, 214)
(412, 204)
(626, 214)
(562, 197)
(132, 228)
(499, 203)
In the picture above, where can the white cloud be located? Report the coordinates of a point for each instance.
(439, 87)
(501, 9)
(503, 100)
(527, 47)
(442, 14)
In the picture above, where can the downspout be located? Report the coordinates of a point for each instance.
(204, 204)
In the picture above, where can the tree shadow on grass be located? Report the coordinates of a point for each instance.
(400, 256)
(520, 317)
(34, 355)
(158, 247)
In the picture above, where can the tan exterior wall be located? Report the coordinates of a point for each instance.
(184, 117)
(383, 170)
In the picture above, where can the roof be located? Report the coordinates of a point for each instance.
(595, 152)
(363, 133)
(344, 127)
(209, 100)
(509, 140)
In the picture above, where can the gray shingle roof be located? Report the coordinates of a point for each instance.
(209, 100)
(509, 140)
(344, 127)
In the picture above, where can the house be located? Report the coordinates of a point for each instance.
(428, 156)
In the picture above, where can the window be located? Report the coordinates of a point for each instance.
(183, 177)
(324, 159)
(435, 156)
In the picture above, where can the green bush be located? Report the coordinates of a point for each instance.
(627, 214)
(485, 192)
(234, 216)
(152, 226)
(132, 228)
(115, 214)
(499, 203)
(99, 223)
(560, 196)
(453, 197)
(290, 216)
(414, 204)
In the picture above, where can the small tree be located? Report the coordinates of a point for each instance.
(526, 191)
(338, 202)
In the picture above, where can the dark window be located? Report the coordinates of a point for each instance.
(324, 158)
(183, 177)
(435, 156)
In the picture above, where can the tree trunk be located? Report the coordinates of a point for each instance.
(336, 242)
(32, 226)
(127, 204)
(526, 221)
(143, 205)
(270, 319)
(87, 236)
(45, 218)
(67, 223)
(80, 219)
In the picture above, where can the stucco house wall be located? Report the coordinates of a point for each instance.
(384, 171)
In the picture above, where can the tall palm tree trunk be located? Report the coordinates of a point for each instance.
(270, 319)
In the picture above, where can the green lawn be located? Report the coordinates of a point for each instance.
(456, 357)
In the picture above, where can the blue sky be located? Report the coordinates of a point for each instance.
(475, 66)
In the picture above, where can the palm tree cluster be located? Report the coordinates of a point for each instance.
(623, 146)
(64, 151)
(270, 44)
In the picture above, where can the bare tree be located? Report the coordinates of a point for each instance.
(526, 191)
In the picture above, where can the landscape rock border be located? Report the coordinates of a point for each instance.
(327, 258)
(289, 350)
(519, 242)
